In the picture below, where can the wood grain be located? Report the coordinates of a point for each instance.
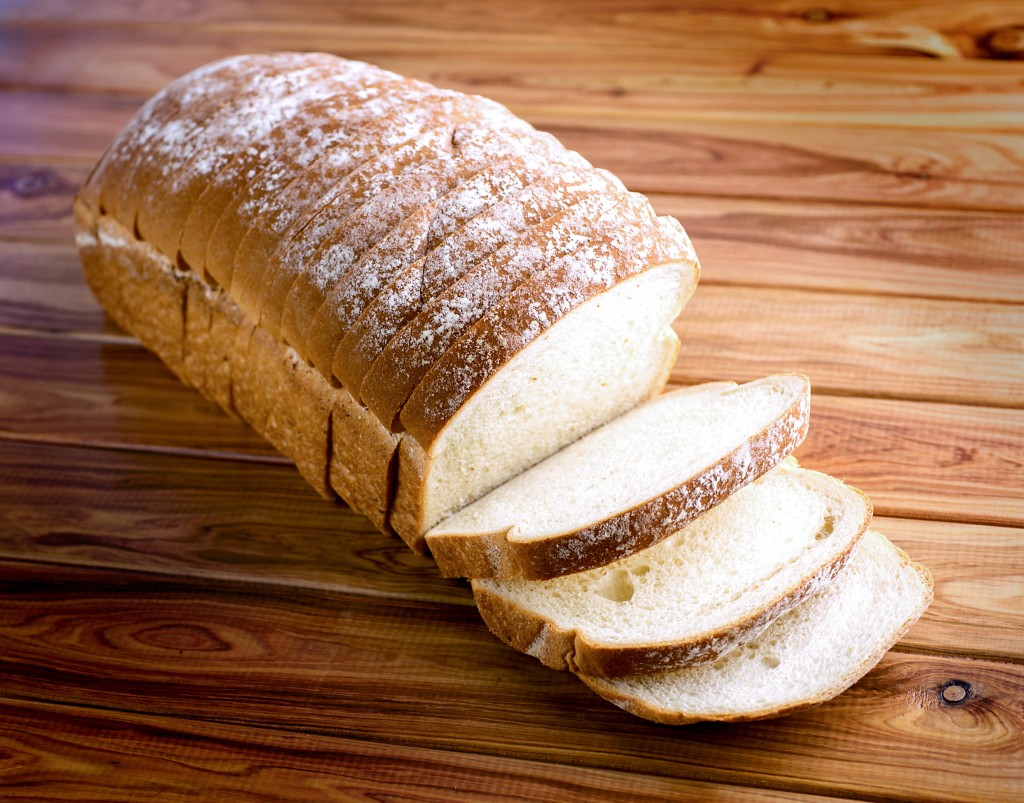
(35, 200)
(182, 617)
(850, 27)
(564, 73)
(260, 524)
(919, 460)
(979, 585)
(42, 290)
(965, 256)
(179, 515)
(111, 394)
(908, 348)
(79, 754)
(281, 656)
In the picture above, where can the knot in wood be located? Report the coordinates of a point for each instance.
(33, 183)
(954, 692)
(1004, 43)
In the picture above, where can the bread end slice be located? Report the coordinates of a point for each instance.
(806, 657)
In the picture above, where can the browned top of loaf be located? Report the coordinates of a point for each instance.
(328, 191)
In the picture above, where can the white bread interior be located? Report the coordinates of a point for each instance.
(600, 360)
(715, 583)
(810, 654)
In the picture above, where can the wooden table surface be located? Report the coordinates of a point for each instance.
(182, 618)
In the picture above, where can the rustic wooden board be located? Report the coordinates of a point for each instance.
(181, 616)
(851, 27)
(907, 348)
(71, 753)
(141, 642)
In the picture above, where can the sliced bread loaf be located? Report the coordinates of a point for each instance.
(694, 596)
(627, 485)
(807, 656)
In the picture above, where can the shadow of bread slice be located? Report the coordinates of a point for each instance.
(807, 656)
(627, 485)
(714, 584)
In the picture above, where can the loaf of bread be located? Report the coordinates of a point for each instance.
(343, 238)
(463, 330)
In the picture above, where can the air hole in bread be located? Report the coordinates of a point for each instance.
(827, 528)
(641, 570)
(771, 661)
(135, 230)
(615, 586)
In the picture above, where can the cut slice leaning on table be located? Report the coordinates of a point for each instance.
(627, 485)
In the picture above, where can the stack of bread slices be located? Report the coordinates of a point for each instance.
(463, 329)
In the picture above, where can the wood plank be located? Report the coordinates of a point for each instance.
(981, 170)
(182, 516)
(66, 753)
(563, 73)
(112, 394)
(35, 200)
(42, 290)
(850, 27)
(979, 586)
(178, 515)
(914, 459)
(919, 460)
(933, 167)
(969, 256)
(304, 660)
(943, 351)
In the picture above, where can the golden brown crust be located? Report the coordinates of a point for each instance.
(336, 444)
(428, 398)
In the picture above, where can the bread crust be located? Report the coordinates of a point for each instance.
(315, 125)
(336, 444)
(476, 555)
(569, 649)
(279, 214)
(484, 183)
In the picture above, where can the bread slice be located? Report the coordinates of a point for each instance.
(595, 243)
(629, 484)
(809, 655)
(715, 583)
(597, 362)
